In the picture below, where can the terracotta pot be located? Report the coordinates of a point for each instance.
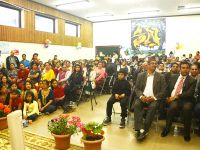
(92, 145)
(62, 141)
(3, 123)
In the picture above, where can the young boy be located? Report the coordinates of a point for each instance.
(120, 93)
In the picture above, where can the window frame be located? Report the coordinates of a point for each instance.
(13, 8)
(78, 28)
(48, 17)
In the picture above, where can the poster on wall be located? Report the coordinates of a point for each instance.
(4, 48)
(148, 35)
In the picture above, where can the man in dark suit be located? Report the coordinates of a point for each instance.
(149, 89)
(180, 98)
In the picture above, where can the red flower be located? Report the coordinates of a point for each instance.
(1, 106)
(7, 110)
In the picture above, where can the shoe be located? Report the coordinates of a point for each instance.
(187, 138)
(137, 134)
(164, 132)
(122, 123)
(107, 121)
(142, 136)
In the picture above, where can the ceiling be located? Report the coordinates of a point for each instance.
(105, 10)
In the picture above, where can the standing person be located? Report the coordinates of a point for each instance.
(30, 110)
(120, 93)
(180, 98)
(150, 89)
(25, 62)
(46, 100)
(12, 59)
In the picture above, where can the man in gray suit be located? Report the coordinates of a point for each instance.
(150, 88)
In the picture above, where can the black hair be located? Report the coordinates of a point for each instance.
(52, 83)
(196, 64)
(28, 82)
(46, 82)
(175, 63)
(184, 63)
(23, 54)
(29, 93)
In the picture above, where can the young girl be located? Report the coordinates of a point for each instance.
(28, 86)
(30, 111)
(15, 101)
(58, 92)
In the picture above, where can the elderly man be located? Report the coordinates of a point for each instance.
(12, 59)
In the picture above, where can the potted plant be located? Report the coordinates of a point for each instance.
(4, 111)
(92, 136)
(62, 128)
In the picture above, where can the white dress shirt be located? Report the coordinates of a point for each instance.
(148, 91)
(177, 82)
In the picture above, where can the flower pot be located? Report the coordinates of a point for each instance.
(92, 145)
(3, 123)
(62, 141)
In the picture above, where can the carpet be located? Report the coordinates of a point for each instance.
(32, 142)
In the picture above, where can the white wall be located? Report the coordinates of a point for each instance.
(64, 52)
(184, 30)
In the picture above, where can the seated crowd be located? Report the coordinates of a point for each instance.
(167, 85)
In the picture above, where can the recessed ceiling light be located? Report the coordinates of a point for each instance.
(75, 4)
(144, 11)
(101, 15)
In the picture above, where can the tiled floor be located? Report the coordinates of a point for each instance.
(117, 139)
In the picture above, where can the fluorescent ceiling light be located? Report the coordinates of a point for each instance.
(75, 4)
(100, 15)
(144, 11)
(189, 7)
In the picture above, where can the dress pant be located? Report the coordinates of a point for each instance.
(139, 114)
(186, 108)
(123, 103)
(32, 117)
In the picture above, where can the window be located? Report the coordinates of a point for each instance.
(10, 16)
(72, 29)
(44, 23)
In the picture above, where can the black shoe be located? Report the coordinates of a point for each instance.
(164, 132)
(107, 121)
(122, 123)
(142, 136)
(187, 138)
(137, 134)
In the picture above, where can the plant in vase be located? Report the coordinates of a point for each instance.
(92, 135)
(62, 128)
(4, 111)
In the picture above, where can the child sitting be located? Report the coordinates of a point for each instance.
(30, 111)
(15, 101)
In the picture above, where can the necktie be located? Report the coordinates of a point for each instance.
(179, 87)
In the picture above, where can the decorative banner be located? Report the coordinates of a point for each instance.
(148, 35)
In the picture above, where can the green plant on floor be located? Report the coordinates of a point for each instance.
(92, 131)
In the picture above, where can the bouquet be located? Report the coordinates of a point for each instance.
(4, 110)
(64, 124)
